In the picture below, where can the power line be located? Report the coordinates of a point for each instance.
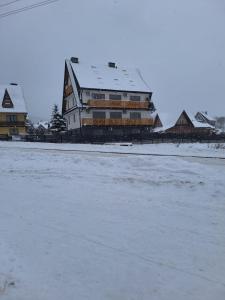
(9, 3)
(25, 8)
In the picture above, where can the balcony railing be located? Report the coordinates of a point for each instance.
(13, 124)
(68, 90)
(118, 104)
(117, 122)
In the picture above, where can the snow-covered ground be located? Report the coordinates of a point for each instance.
(84, 225)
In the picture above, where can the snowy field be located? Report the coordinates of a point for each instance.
(89, 225)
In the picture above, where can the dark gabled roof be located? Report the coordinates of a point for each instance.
(185, 115)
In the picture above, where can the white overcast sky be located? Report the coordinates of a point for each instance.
(179, 46)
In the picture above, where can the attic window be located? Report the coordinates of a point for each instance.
(7, 102)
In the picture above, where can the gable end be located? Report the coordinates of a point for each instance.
(7, 102)
(184, 120)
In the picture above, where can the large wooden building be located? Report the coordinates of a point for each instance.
(12, 110)
(103, 99)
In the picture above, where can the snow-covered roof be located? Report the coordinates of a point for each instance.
(196, 123)
(167, 122)
(205, 114)
(16, 95)
(43, 124)
(109, 78)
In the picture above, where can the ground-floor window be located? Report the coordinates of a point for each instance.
(13, 131)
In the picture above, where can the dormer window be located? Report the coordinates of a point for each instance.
(7, 102)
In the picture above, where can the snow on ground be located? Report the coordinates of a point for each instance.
(100, 226)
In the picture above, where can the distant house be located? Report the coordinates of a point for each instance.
(41, 127)
(105, 99)
(187, 124)
(13, 110)
(157, 121)
(203, 117)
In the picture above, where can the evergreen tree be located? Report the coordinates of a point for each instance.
(58, 123)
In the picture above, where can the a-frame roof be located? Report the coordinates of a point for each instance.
(13, 94)
(189, 120)
(184, 119)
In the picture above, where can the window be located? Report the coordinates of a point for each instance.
(11, 118)
(115, 115)
(135, 115)
(13, 131)
(69, 120)
(98, 96)
(99, 115)
(115, 97)
(74, 118)
(135, 98)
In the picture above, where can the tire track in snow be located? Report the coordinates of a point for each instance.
(116, 153)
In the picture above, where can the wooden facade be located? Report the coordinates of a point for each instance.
(12, 111)
(68, 90)
(17, 125)
(111, 104)
(117, 122)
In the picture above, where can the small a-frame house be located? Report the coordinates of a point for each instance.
(13, 110)
(158, 123)
(187, 124)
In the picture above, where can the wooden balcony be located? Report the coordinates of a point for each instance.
(117, 122)
(121, 104)
(12, 124)
(68, 91)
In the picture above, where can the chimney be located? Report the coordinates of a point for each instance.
(75, 60)
(112, 64)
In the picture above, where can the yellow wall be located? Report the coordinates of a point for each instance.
(20, 116)
(5, 129)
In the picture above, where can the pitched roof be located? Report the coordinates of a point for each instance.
(195, 122)
(205, 116)
(16, 96)
(109, 78)
(208, 116)
(44, 124)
